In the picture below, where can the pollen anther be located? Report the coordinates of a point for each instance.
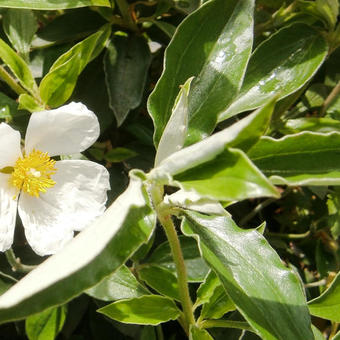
(32, 173)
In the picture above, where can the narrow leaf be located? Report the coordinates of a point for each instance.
(327, 305)
(126, 65)
(217, 58)
(249, 270)
(228, 177)
(122, 284)
(45, 325)
(174, 134)
(18, 66)
(58, 84)
(306, 158)
(146, 310)
(50, 5)
(92, 255)
(282, 64)
(199, 334)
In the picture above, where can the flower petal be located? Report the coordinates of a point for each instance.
(9, 145)
(77, 198)
(45, 229)
(80, 190)
(69, 129)
(8, 212)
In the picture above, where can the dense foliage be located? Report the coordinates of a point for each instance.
(220, 129)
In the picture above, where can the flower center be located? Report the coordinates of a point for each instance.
(32, 173)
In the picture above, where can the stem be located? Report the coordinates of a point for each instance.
(226, 324)
(330, 98)
(290, 236)
(256, 210)
(170, 231)
(315, 284)
(16, 264)
(159, 332)
(10, 81)
(8, 276)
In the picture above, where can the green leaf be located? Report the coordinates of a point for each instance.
(317, 334)
(18, 66)
(199, 334)
(306, 158)
(216, 57)
(337, 336)
(267, 294)
(282, 64)
(148, 333)
(175, 132)
(96, 252)
(327, 305)
(9, 108)
(45, 325)
(333, 204)
(146, 310)
(50, 5)
(122, 284)
(20, 26)
(242, 135)
(315, 124)
(117, 155)
(206, 289)
(229, 176)
(126, 66)
(58, 84)
(219, 304)
(28, 103)
(160, 279)
(195, 265)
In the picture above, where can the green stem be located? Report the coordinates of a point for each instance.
(8, 79)
(334, 93)
(159, 332)
(290, 236)
(8, 276)
(16, 264)
(226, 324)
(165, 219)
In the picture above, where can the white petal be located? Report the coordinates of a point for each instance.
(69, 129)
(8, 212)
(77, 198)
(45, 229)
(9, 145)
(80, 191)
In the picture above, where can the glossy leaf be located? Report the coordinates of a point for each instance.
(292, 56)
(228, 177)
(306, 158)
(327, 305)
(55, 4)
(8, 108)
(218, 304)
(199, 334)
(213, 44)
(249, 270)
(45, 325)
(20, 27)
(122, 284)
(242, 135)
(160, 279)
(337, 336)
(92, 255)
(317, 334)
(18, 66)
(175, 131)
(206, 289)
(126, 65)
(196, 267)
(57, 86)
(28, 103)
(146, 310)
(314, 124)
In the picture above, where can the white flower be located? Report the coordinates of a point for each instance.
(53, 198)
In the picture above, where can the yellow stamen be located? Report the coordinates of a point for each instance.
(32, 173)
